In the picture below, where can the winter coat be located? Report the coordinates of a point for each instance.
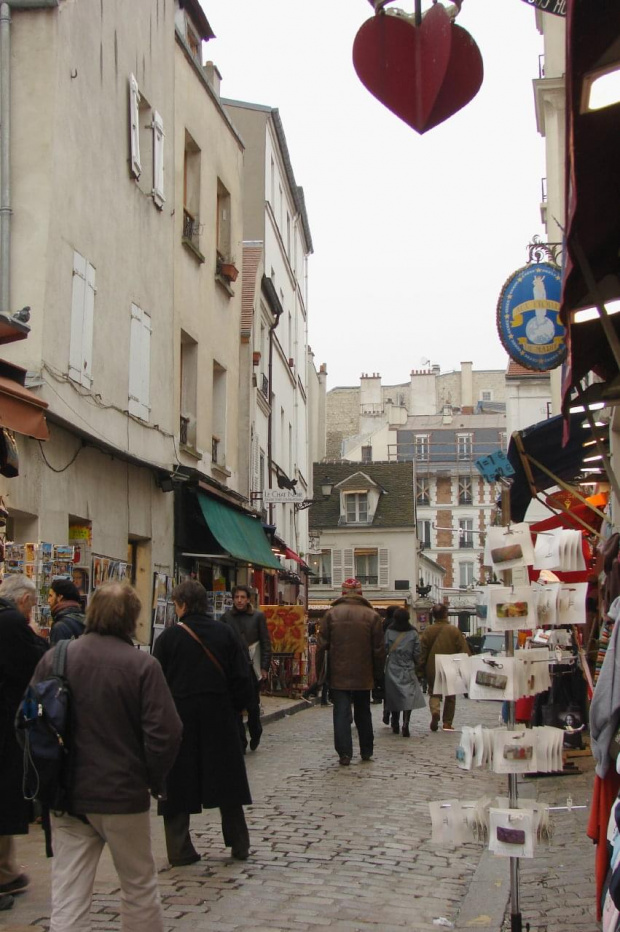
(251, 626)
(210, 770)
(352, 633)
(402, 689)
(20, 651)
(440, 638)
(125, 729)
(68, 622)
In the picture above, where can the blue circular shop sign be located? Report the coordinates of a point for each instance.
(528, 317)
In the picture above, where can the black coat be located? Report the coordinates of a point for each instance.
(20, 650)
(209, 771)
(251, 626)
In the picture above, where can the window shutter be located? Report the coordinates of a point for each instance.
(384, 566)
(337, 576)
(255, 465)
(87, 326)
(134, 126)
(82, 314)
(139, 363)
(158, 160)
(349, 566)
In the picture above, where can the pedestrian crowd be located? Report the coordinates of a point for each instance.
(170, 725)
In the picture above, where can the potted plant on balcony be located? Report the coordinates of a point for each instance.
(227, 269)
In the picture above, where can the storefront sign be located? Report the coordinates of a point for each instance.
(557, 7)
(280, 496)
(528, 317)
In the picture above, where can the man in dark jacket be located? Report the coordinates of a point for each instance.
(251, 626)
(125, 737)
(353, 634)
(66, 608)
(20, 651)
(440, 637)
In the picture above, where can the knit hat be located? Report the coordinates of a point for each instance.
(351, 585)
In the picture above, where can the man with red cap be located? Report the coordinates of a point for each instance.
(351, 631)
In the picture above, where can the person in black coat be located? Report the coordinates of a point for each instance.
(20, 651)
(207, 670)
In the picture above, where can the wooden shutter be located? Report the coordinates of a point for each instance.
(134, 126)
(384, 566)
(158, 160)
(349, 565)
(82, 314)
(337, 576)
(87, 327)
(255, 465)
(139, 363)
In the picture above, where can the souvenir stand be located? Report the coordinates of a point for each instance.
(543, 597)
(42, 562)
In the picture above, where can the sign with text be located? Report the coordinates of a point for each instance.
(494, 466)
(282, 496)
(528, 317)
(557, 7)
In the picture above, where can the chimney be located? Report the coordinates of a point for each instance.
(213, 77)
(467, 388)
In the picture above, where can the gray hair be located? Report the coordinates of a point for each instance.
(15, 586)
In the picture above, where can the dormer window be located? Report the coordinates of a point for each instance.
(359, 497)
(356, 507)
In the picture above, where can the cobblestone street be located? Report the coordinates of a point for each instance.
(347, 848)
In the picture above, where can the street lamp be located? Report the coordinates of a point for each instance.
(326, 490)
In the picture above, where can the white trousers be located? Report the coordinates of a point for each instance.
(77, 849)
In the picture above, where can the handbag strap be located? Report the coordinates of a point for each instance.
(396, 642)
(209, 653)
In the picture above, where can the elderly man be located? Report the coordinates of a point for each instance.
(20, 651)
(125, 737)
(352, 633)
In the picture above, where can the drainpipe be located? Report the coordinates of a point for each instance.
(5, 166)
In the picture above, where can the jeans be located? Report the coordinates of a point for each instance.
(343, 741)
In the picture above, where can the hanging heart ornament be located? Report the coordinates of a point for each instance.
(423, 74)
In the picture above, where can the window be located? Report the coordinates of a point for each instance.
(465, 490)
(272, 189)
(191, 191)
(367, 454)
(140, 363)
(486, 395)
(189, 390)
(82, 314)
(466, 575)
(421, 447)
(321, 566)
(466, 535)
(218, 424)
(290, 336)
(193, 41)
(366, 566)
(288, 235)
(502, 441)
(356, 507)
(423, 532)
(223, 221)
(463, 446)
(423, 491)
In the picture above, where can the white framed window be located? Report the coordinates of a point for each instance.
(466, 533)
(486, 395)
(82, 319)
(463, 446)
(140, 363)
(420, 443)
(356, 505)
(423, 532)
(158, 160)
(423, 490)
(465, 490)
(466, 574)
(366, 565)
(321, 566)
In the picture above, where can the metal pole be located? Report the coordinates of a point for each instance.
(515, 913)
(5, 165)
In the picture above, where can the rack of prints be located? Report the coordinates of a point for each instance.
(218, 602)
(42, 562)
(163, 607)
(106, 569)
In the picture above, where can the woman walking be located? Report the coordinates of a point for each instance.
(206, 666)
(403, 692)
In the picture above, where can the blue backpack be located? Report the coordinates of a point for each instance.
(43, 729)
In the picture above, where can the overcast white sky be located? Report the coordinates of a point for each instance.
(414, 236)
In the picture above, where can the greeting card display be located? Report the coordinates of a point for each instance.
(514, 751)
(509, 546)
(546, 600)
(571, 608)
(491, 678)
(511, 608)
(451, 674)
(511, 833)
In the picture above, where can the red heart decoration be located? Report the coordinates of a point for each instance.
(424, 73)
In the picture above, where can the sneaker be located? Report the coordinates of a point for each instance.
(19, 885)
(6, 902)
(345, 760)
(448, 728)
(434, 722)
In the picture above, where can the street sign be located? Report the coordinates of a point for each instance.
(282, 496)
(557, 7)
(495, 466)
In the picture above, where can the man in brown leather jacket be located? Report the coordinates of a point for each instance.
(440, 637)
(353, 634)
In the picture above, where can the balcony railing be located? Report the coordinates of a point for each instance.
(466, 543)
(264, 386)
(183, 429)
(320, 581)
(368, 580)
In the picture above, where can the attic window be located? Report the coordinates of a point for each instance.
(193, 40)
(356, 507)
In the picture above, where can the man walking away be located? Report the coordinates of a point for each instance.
(352, 634)
(125, 737)
(251, 626)
(440, 637)
(66, 608)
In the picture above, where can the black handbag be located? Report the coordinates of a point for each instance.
(9, 457)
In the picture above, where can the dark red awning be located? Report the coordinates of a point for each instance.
(21, 410)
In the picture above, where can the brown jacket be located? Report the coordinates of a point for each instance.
(440, 638)
(125, 728)
(352, 633)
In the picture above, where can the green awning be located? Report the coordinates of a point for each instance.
(240, 535)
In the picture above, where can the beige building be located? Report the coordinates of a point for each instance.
(91, 178)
